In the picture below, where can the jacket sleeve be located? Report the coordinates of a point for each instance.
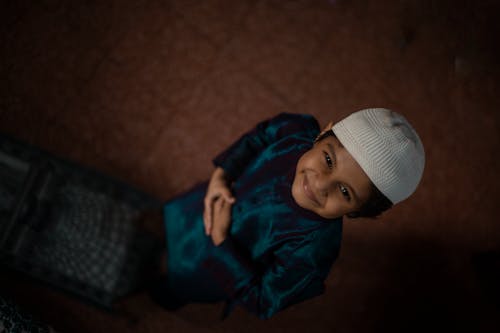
(234, 159)
(297, 273)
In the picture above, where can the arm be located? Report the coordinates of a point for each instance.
(238, 155)
(297, 273)
(231, 163)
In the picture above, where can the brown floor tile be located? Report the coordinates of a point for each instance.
(129, 98)
(169, 61)
(217, 20)
(42, 71)
(373, 71)
(213, 115)
(116, 118)
(278, 41)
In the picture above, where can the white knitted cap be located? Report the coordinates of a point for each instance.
(386, 147)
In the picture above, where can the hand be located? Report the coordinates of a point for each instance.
(221, 220)
(217, 189)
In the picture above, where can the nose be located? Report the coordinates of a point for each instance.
(325, 183)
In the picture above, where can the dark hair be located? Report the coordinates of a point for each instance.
(376, 204)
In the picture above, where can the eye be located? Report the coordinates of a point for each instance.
(345, 192)
(328, 160)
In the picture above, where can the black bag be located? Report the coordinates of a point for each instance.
(70, 226)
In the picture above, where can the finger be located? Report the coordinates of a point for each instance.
(218, 204)
(206, 222)
(228, 196)
(225, 213)
(218, 212)
(222, 216)
(207, 215)
(221, 209)
(327, 127)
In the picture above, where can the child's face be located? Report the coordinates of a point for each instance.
(328, 181)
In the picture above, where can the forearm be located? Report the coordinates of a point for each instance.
(239, 155)
(262, 292)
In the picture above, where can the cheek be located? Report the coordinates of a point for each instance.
(303, 162)
(335, 207)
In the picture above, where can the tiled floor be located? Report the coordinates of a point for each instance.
(150, 91)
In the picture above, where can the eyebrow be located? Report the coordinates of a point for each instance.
(332, 151)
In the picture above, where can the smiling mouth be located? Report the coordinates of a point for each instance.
(308, 192)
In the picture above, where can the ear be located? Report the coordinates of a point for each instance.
(327, 127)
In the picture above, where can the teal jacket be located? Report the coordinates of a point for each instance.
(276, 253)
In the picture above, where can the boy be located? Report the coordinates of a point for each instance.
(266, 229)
